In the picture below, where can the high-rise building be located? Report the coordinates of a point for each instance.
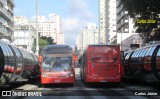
(60, 38)
(6, 19)
(102, 21)
(24, 33)
(125, 28)
(79, 42)
(111, 22)
(122, 18)
(107, 21)
(89, 35)
(50, 27)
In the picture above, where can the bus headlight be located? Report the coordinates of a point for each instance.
(70, 74)
(44, 75)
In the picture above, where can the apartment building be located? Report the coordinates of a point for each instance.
(125, 28)
(89, 35)
(111, 22)
(103, 35)
(24, 33)
(50, 27)
(6, 19)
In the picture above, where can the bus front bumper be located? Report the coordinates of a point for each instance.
(47, 80)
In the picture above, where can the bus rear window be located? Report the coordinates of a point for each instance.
(104, 54)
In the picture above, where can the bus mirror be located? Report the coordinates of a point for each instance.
(40, 58)
(74, 58)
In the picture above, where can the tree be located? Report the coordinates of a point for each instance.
(42, 43)
(48, 39)
(146, 10)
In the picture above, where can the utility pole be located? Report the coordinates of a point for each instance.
(37, 45)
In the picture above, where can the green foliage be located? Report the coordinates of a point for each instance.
(43, 41)
(144, 9)
(48, 39)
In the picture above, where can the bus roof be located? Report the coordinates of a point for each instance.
(55, 46)
(102, 45)
(57, 49)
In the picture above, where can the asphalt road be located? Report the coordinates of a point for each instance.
(126, 90)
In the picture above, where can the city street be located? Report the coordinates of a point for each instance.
(80, 49)
(126, 90)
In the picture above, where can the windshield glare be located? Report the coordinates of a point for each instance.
(56, 62)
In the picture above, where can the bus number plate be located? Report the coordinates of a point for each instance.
(56, 81)
(103, 80)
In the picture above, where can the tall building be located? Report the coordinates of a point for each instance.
(103, 22)
(89, 35)
(50, 27)
(122, 18)
(60, 38)
(79, 42)
(111, 21)
(6, 19)
(125, 28)
(24, 33)
(107, 23)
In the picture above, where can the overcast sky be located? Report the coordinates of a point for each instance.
(75, 14)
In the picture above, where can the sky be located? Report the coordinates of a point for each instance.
(75, 14)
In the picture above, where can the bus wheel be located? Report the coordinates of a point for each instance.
(116, 84)
(71, 84)
(87, 84)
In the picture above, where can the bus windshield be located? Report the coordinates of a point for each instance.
(104, 54)
(57, 62)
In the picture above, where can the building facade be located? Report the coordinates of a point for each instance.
(107, 21)
(79, 42)
(50, 27)
(7, 19)
(89, 35)
(103, 35)
(125, 28)
(134, 38)
(60, 38)
(24, 33)
(111, 21)
(122, 18)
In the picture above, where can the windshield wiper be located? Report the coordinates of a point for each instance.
(65, 70)
(50, 69)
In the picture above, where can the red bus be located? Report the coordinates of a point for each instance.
(57, 65)
(101, 63)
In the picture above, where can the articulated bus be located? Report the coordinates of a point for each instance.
(57, 65)
(101, 63)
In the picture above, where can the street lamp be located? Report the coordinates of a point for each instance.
(37, 46)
